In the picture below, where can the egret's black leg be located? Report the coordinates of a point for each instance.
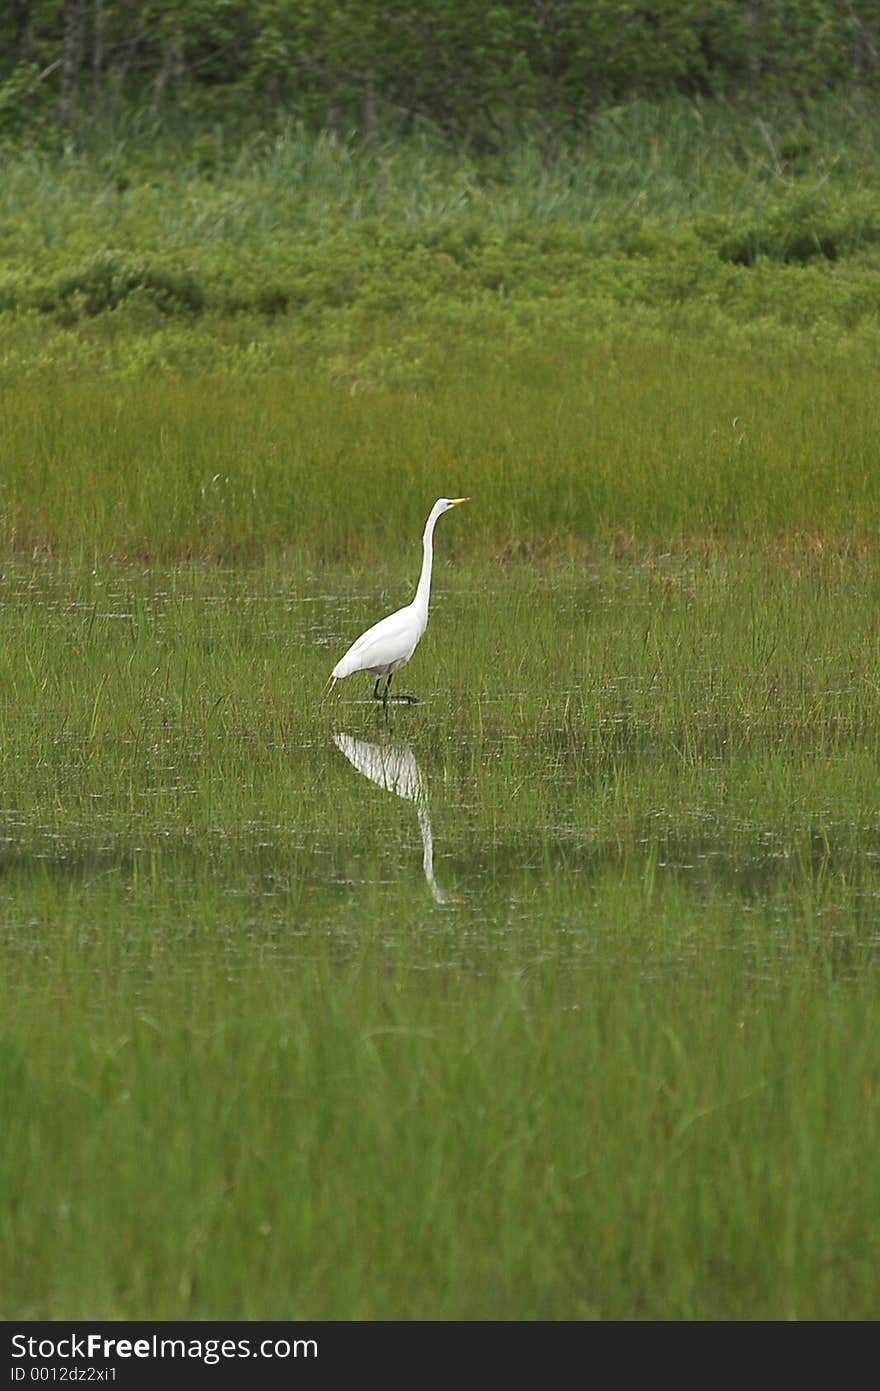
(403, 699)
(406, 699)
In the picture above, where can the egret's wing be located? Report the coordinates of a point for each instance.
(387, 641)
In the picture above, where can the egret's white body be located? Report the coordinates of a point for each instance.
(388, 645)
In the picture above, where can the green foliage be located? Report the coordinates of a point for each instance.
(318, 255)
(805, 225)
(476, 73)
(109, 278)
(23, 101)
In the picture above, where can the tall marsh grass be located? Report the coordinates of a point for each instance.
(638, 1135)
(611, 440)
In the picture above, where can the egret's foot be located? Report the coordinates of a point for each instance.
(404, 699)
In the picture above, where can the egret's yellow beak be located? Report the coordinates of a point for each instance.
(456, 500)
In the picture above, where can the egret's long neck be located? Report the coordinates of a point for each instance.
(423, 592)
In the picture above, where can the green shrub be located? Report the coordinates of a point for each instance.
(109, 277)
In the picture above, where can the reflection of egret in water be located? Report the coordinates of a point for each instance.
(394, 767)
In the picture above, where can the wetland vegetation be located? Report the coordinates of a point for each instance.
(570, 1012)
(622, 1065)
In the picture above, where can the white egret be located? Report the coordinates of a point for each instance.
(388, 645)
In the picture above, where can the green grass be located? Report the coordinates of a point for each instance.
(612, 1053)
(251, 1069)
(638, 1131)
(559, 449)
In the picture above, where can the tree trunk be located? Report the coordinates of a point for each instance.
(334, 119)
(171, 73)
(862, 48)
(23, 24)
(97, 51)
(753, 49)
(371, 115)
(71, 57)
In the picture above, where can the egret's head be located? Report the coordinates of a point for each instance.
(443, 504)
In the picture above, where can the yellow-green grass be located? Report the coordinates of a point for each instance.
(641, 436)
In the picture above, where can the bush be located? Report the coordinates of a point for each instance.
(110, 277)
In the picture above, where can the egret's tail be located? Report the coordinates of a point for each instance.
(331, 682)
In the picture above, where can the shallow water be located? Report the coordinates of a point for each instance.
(167, 761)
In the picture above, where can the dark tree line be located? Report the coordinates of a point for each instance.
(471, 69)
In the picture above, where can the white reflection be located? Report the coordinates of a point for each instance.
(394, 767)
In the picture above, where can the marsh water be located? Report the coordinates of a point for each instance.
(166, 752)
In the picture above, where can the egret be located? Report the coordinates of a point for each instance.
(388, 645)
